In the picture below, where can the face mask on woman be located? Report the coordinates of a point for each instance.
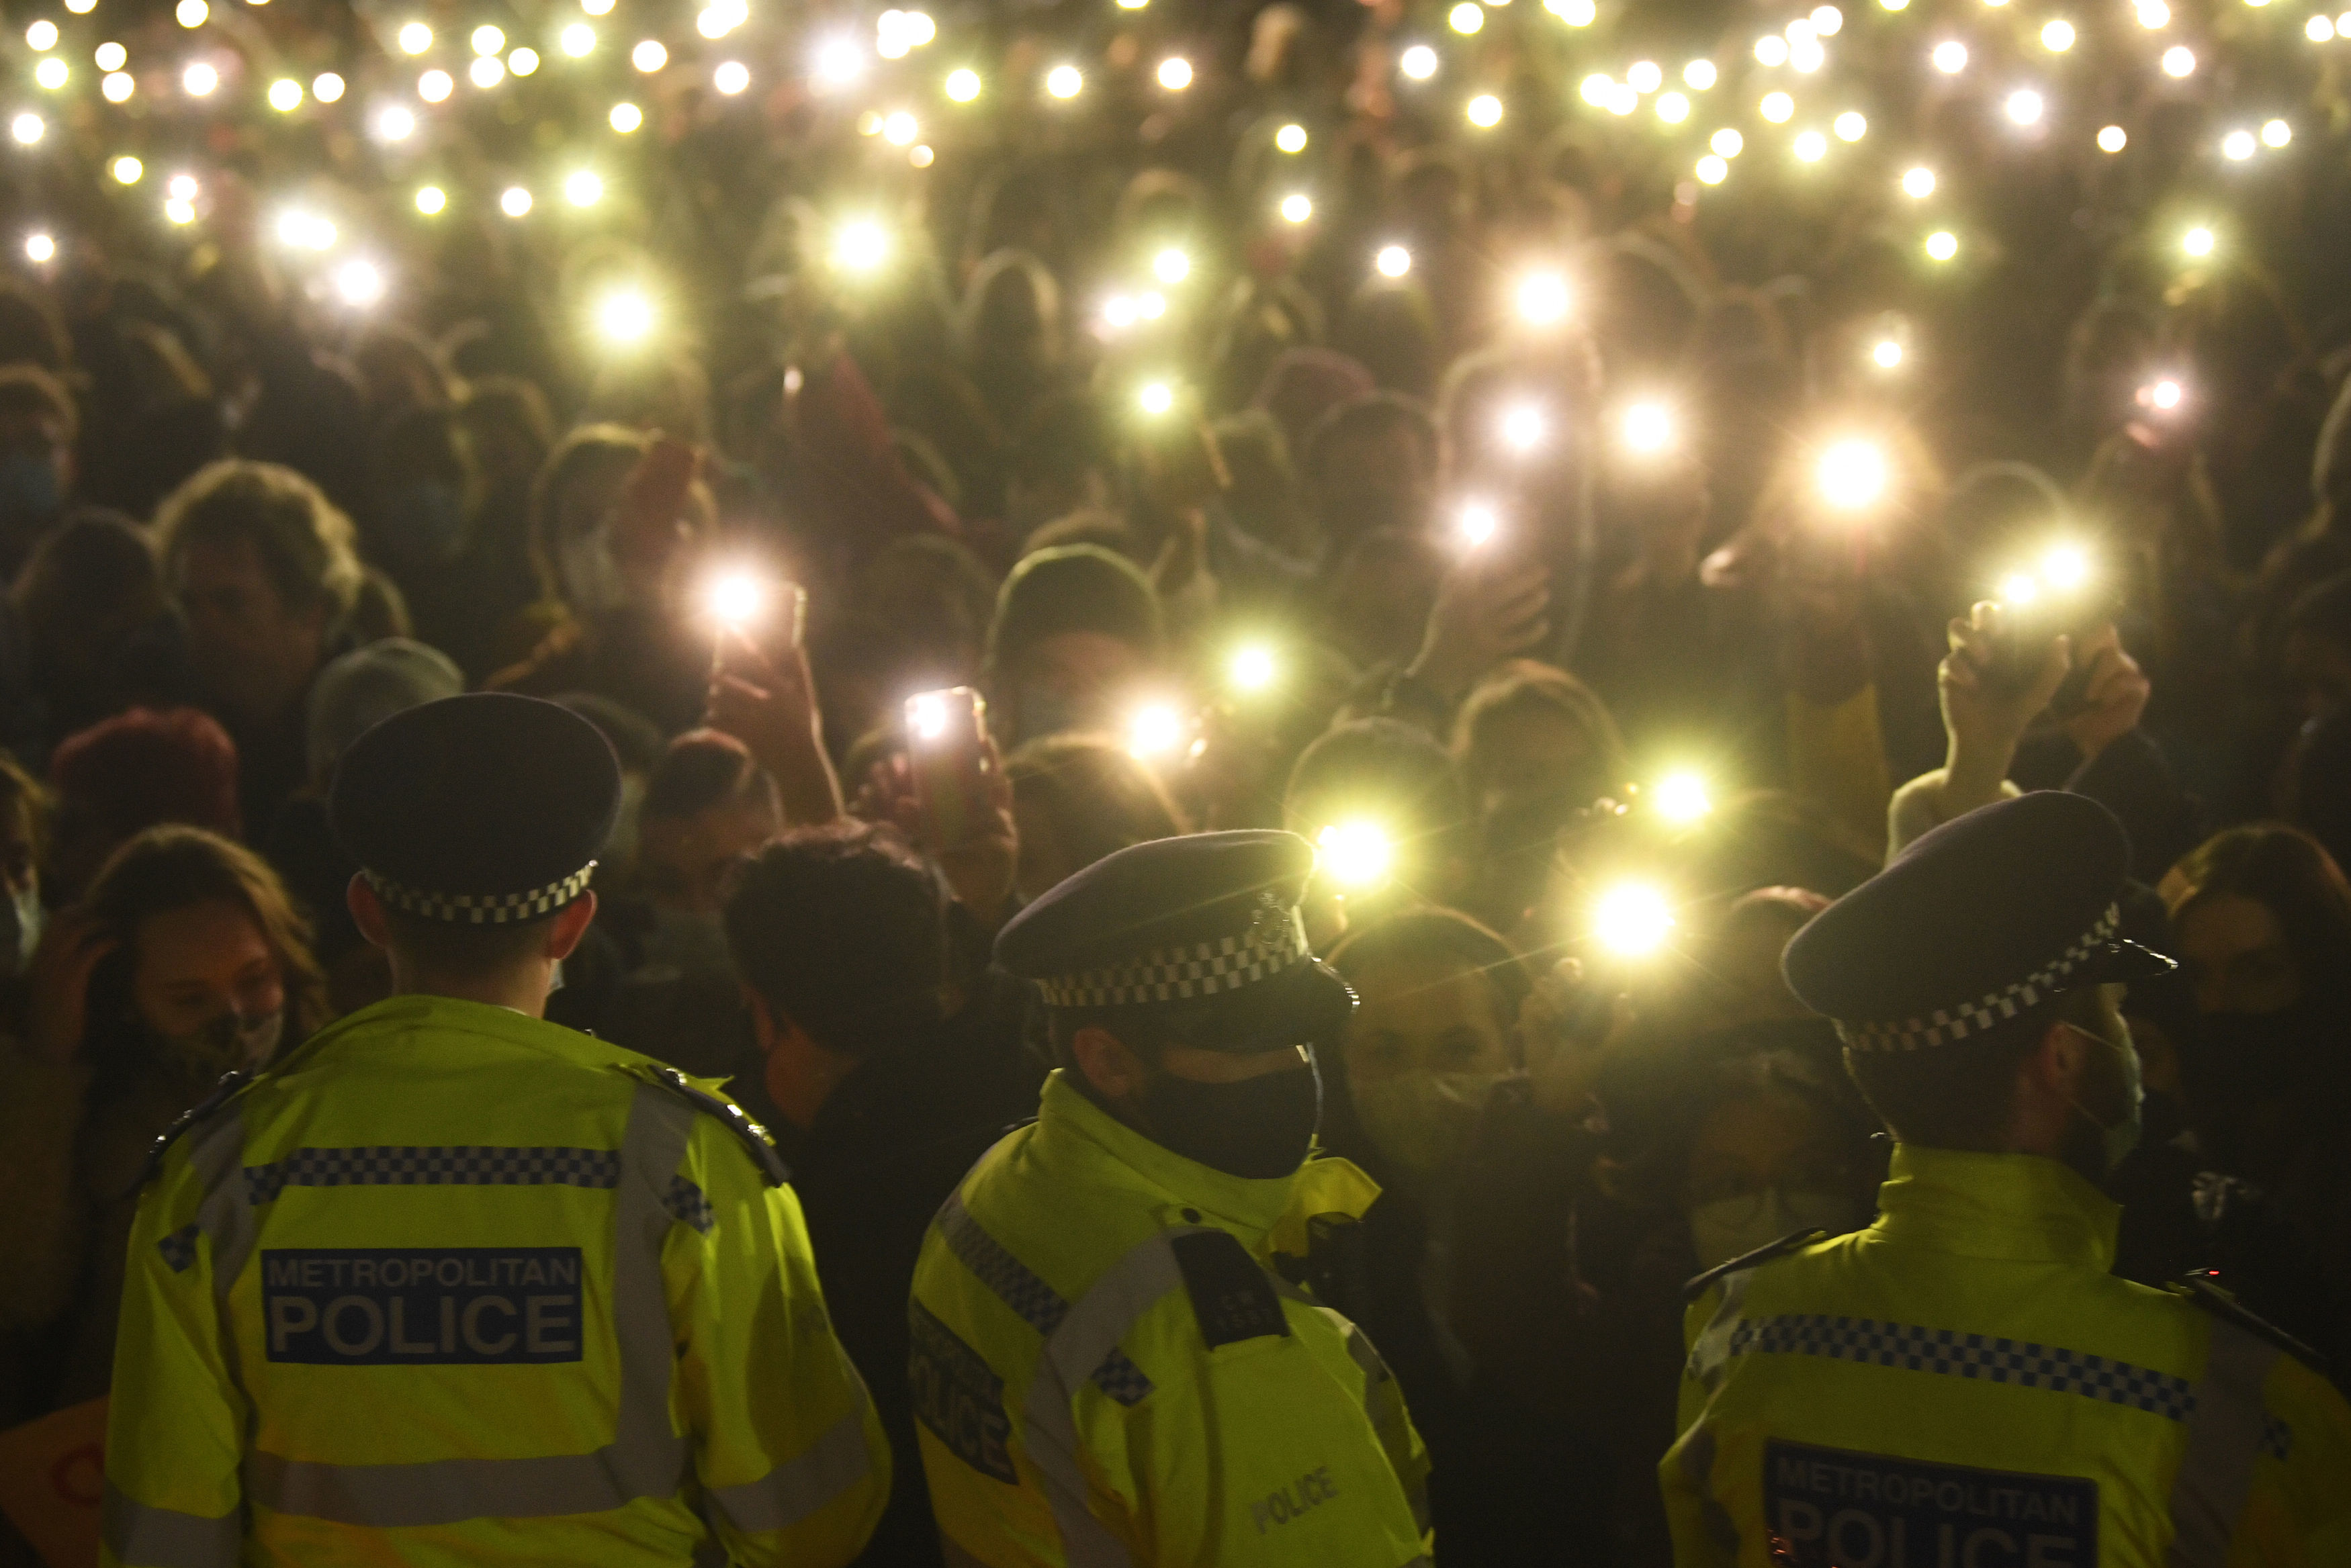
(1422, 1121)
(228, 1044)
(1732, 1227)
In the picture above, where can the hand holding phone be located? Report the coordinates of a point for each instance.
(947, 756)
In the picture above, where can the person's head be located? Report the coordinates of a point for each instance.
(1181, 997)
(2261, 918)
(707, 805)
(1304, 384)
(425, 488)
(211, 966)
(1012, 321)
(1528, 730)
(133, 771)
(1741, 983)
(1077, 799)
(2317, 652)
(368, 685)
(263, 566)
(839, 935)
(1077, 631)
(1370, 463)
(938, 599)
(1378, 591)
(511, 429)
(1385, 802)
(91, 591)
(571, 509)
(38, 424)
(1756, 1149)
(1059, 462)
(475, 822)
(1976, 984)
(1436, 1027)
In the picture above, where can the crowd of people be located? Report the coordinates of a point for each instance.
(1606, 565)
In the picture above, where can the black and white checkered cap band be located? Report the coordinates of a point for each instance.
(481, 908)
(1945, 1025)
(1269, 948)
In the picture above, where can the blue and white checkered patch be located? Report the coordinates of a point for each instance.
(1945, 1025)
(687, 1202)
(457, 1166)
(1040, 1305)
(179, 1247)
(1956, 1355)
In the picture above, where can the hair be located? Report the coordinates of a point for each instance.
(571, 456)
(1369, 417)
(2284, 870)
(149, 766)
(176, 866)
(81, 570)
(1389, 763)
(1656, 1172)
(23, 796)
(1520, 686)
(842, 931)
(307, 546)
(1098, 797)
(1963, 1095)
(700, 771)
(28, 389)
(1438, 935)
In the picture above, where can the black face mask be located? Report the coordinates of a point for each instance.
(1258, 1127)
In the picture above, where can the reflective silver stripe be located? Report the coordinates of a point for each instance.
(1083, 1338)
(1712, 1346)
(1698, 1470)
(799, 1487)
(144, 1537)
(645, 1457)
(222, 1213)
(2225, 1434)
(1376, 1377)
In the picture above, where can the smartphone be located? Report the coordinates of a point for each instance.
(946, 754)
(2027, 630)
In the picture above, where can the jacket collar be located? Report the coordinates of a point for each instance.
(2018, 1208)
(1073, 1128)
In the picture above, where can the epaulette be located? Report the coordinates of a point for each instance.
(228, 1088)
(2203, 1287)
(1231, 1296)
(733, 1117)
(1795, 1241)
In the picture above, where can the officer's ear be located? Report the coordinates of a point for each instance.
(569, 925)
(367, 912)
(1107, 1063)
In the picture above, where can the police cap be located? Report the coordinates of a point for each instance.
(487, 809)
(1983, 918)
(1207, 923)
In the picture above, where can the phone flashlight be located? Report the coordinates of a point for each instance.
(1542, 300)
(1355, 854)
(1478, 524)
(1681, 799)
(945, 754)
(1632, 920)
(1155, 733)
(1252, 668)
(1647, 428)
(1851, 475)
(1523, 427)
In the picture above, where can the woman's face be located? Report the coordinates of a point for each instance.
(1528, 751)
(1429, 1015)
(197, 965)
(1771, 1140)
(2235, 952)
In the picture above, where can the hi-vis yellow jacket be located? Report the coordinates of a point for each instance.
(1963, 1385)
(1107, 1373)
(450, 1286)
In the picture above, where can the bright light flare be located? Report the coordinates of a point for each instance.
(1484, 111)
(1522, 427)
(1291, 138)
(1065, 81)
(1175, 73)
(2023, 107)
(734, 599)
(199, 79)
(415, 37)
(434, 86)
(1419, 62)
(2058, 36)
(1700, 75)
(1942, 246)
(51, 74)
(1393, 261)
(430, 200)
(1951, 57)
(1171, 266)
(962, 85)
(583, 188)
(1647, 428)
(2179, 61)
(1157, 398)
(626, 118)
(1544, 298)
(1681, 799)
(576, 40)
(1155, 731)
(1886, 354)
(1253, 668)
(515, 201)
(1633, 920)
(126, 170)
(360, 284)
(2198, 242)
(1478, 524)
(1354, 854)
(1851, 475)
(650, 56)
(28, 128)
(625, 317)
(1297, 207)
(1776, 107)
(327, 87)
(1918, 184)
(861, 245)
(40, 248)
(2113, 139)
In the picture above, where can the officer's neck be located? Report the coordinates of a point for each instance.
(521, 988)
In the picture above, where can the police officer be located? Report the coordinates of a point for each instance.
(1109, 1364)
(452, 1284)
(1964, 1385)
